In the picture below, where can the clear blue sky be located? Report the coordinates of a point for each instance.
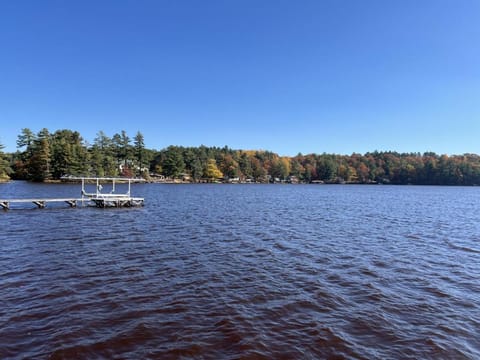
(335, 76)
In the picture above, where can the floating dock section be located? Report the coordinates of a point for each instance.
(41, 203)
(97, 198)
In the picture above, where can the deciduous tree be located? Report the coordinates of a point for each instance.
(212, 172)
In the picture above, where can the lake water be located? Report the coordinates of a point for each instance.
(243, 272)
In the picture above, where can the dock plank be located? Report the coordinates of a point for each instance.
(42, 199)
(100, 201)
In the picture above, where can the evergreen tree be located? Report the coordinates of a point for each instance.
(173, 165)
(245, 165)
(25, 142)
(39, 164)
(117, 148)
(139, 149)
(102, 155)
(96, 161)
(192, 162)
(26, 138)
(5, 170)
(122, 147)
(69, 154)
(197, 170)
(61, 157)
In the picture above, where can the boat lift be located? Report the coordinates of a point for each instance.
(110, 199)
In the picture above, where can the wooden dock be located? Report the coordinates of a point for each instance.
(41, 203)
(100, 202)
(97, 198)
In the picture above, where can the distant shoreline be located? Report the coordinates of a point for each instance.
(45, 157)
(63, 182)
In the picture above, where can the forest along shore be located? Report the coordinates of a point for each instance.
(46, 157)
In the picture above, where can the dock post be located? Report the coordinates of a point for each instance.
(40, 203)
(72, 203)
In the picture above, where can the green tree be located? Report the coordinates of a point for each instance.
(139, 150)
(193, 163)
(125, 146)
(173, 165)
(245, 165)
(61, 157)
(25, 143)
(5, 169)
(122, 147)
(326, 168)
(296, 167)
(39, 163)
(26, 138)
(102, 154)
(197, 170)
(69, 154)
(96, 161)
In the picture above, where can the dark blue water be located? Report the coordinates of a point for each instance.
(243, 272)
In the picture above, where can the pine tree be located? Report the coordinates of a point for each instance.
(26, 138)
(4, 165)
(39, 164)
(122, 147)
(103, 154)
(139, 149)
(173, 165)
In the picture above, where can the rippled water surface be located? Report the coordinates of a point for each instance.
(243, 272)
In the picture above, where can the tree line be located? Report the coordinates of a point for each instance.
(45, 156)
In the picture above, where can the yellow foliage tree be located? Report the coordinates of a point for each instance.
(286, 164)
(212, 172)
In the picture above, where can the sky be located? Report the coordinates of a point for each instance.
(288, 76)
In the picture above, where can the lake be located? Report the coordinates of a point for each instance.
(243, 272)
